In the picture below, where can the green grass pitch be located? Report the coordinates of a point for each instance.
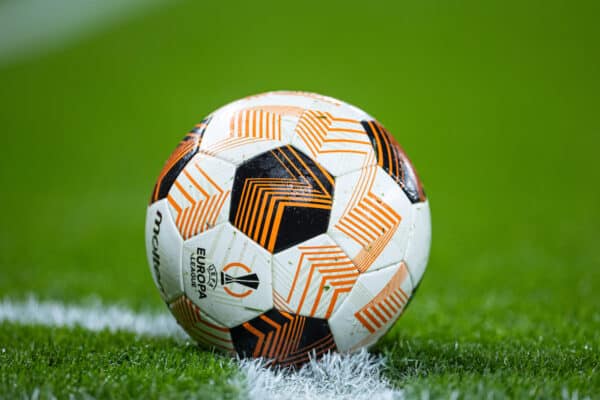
(496, 103)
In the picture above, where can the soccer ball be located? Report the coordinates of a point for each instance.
(285, 225)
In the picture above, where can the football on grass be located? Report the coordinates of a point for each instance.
(285, 225)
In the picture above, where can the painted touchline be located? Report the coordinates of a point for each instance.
(356, 376)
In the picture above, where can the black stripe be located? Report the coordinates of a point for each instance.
(395, 164)
(162, 187)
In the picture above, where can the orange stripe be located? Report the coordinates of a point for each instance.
(242, 210)
(279, 215)
(382, 205)
(185, 194)
(206, 334)
(363, 221)
(269, 321)
(320, 346)
(341, 151)
(335, 257)
(371, 224)
(219, 207)
(362, 132)
(184, 219)
(279, 127)
(318, 297)
(390, 305)
(379, 144)
(277, 328)
(189, 225)
(257, 125)
(194, 219)
(312, 146)
(247, 120)
(249, 207)
(404, 293)
(238, 295)
(299, 331)
(283, 340)
(304, 292)
(334, 264)
(359, 189)
(395, 301)
(255, 196)
(347, 282)
(355, 141)
(380, 315)
(201, 223)
(385, 138)
(372, 318)
(334, 299)
(267, 347)
(302, 350)
(173, 203)
(289, 161)
(348, 230)
(394, 296)
(325, 173)
(278, 201)
(363, 321)
(283, 164)
(213, 326)
(291, 327)
(239, 123)
(213, 183)
(228, 144)
(337, 119)
(380, 219)
(212, 213)
(321, 247)
(385, 310)
(359, 226)
(264, 200)
(260, 336)
(196, 184)
(316, 128)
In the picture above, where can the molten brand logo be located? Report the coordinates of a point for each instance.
(155, 248)
(238, 280)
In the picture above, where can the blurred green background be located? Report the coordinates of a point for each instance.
(497, 104)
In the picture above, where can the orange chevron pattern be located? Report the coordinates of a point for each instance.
(330, 273)
(200, 214)
(280, 302)
(319, 128)
(249, 126)
(282, 344)
(264, 200)
(368, 221)
(198, 327)
(387, 305)
(187, 145)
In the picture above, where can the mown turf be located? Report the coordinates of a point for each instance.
(542, 359)
(72, 362)
(496, 103)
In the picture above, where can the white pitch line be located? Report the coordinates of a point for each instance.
(349, 377)
(94, 317)
(336, 377)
